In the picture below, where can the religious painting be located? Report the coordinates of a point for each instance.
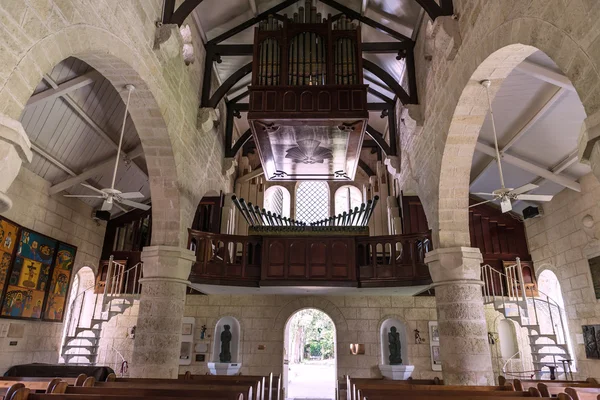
(59, 284)
(5, 259)
(36, 247)
(8, 236)
(16, 300)
(594, 264)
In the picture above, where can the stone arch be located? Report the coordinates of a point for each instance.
(326, 306)
(493, 57)
(120, 64)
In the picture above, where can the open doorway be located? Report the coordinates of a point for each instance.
(309, 356)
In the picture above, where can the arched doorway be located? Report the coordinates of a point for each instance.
(309, 355)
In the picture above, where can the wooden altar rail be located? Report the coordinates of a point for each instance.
(376, 261)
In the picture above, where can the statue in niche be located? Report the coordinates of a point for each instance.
(225, 355)
(395, 347)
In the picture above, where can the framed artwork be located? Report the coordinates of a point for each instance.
(594, 264)
(59, 284)
(434, 346)
(186, 329)
(591, 335)
(35, 273)
(435, 355)
(434, 334)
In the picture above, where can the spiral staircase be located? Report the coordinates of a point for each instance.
(89, 310)
(534, 310)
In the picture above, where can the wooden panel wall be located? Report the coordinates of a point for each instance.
(499, 236)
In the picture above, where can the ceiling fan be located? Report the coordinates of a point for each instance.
(504, 194)
(111, 195)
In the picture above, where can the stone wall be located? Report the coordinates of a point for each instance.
(451, 56)
(557, 241)
(118, 40)
(357, 319)
(61, 218)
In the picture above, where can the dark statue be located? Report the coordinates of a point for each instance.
(395, 348)
(225, 355)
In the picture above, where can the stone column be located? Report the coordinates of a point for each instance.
(464, 347)
(15, 149)
(157, 336)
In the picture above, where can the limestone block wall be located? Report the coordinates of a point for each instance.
(523, 362)
(116, 343)
(558, 242)
(436, 157)
(60, 218)
(357, 319)
(118, 39)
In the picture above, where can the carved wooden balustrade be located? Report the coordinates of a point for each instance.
(356, 261)
(397, 260)
(225, 259)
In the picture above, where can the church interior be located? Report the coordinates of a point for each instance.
(299, 199)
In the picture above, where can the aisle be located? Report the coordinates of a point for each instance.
(312, 381)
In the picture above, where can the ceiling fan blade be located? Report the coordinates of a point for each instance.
(94, 189)
(120, 208)
(131, 195)
(505, 204)
(83, 196)
(106, 205)
(135, 204)
(483, 202)
(524, 188)
(535, 197)
(483, 194)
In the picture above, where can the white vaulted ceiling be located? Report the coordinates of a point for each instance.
(538, 118)
(80, 129)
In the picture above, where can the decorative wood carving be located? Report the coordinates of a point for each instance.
(305, 80)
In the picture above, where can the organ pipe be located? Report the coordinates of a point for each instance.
(304, 40)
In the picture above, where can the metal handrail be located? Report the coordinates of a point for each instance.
(509, 360)
(82, 294)
(513, 285)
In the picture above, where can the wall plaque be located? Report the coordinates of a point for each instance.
(591, 341)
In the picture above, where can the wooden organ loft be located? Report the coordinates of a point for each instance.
(308, 105)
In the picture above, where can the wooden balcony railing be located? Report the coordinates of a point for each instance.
(225, 259)
(397, 260)
(360, 261)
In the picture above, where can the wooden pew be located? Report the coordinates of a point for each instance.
(252, 387)
(396, 391)
(24, 394)
(352, 382)
(257, 381)
(247, 388)
(199, 391)
(524, 384)
(553, 389)
(410, 396)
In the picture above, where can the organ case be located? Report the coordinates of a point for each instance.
(308, 104)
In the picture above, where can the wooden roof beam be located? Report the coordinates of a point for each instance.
(530, 167)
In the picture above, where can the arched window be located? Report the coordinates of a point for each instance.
(277, 200)
(312, 201)
(346, 198)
